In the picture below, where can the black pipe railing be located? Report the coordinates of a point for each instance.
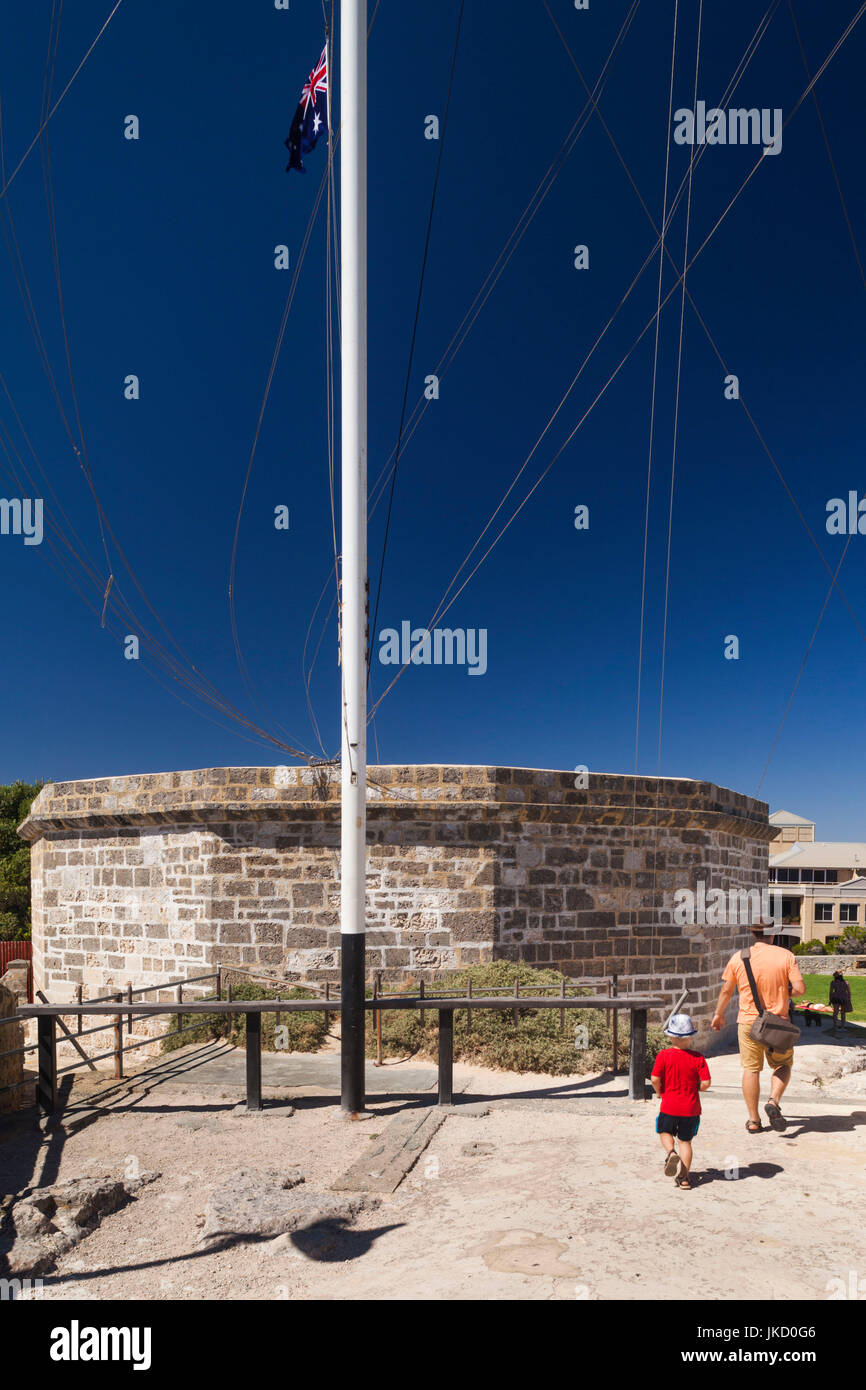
(80, 1009)
(47, 1014)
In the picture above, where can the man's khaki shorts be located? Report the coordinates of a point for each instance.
(752, 1053)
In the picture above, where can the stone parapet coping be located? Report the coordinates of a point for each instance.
(424, 792)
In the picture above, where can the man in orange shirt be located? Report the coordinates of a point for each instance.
(778, 979)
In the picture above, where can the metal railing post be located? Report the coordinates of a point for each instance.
(254, 1061)
(377, 990)
(637, 1055)
(118, 1043)
(46, 1082)
(70, 1037)
(446, 1056)
(614, 990)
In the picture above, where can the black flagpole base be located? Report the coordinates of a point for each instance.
(352, 953)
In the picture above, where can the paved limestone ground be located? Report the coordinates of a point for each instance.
(224, 1066)
(549, 1188)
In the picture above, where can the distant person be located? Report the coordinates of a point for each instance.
(679, 1075)
(778, 981)
(840, 998)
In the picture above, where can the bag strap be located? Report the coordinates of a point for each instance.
(752, 986)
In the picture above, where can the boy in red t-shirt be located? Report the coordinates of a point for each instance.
(678, 1076)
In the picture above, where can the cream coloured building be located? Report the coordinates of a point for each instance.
(821, 883)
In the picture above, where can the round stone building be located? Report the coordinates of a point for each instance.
(162, 876)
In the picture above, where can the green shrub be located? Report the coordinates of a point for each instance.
(537, 1044)
(10, 927)
(852, 942)
(305, 1032)
(809, 948)
(15, 801)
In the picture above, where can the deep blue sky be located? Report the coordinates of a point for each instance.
(166, 248)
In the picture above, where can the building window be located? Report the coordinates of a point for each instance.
(832, 876)
(849, 912)
(823, 912)
(807, 875)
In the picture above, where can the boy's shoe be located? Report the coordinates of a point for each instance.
(671, 1164)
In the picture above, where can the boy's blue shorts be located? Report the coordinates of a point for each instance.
(680, 1126)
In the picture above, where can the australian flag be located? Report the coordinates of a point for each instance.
(311, 117)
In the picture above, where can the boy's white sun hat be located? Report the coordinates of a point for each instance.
(680, 1026)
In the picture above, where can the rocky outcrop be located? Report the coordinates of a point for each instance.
(44, 1225)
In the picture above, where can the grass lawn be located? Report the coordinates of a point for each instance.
(818, 992)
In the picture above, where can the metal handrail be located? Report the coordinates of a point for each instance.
(99, 1006)
(275, 983)
(16, 1051)
(629, 1002)
(173, 984)
(445, 1001)
(46, 1014)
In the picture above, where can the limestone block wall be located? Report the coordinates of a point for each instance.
(145, 878)
(827, 965)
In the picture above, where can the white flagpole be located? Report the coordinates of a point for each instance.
(353, 291)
